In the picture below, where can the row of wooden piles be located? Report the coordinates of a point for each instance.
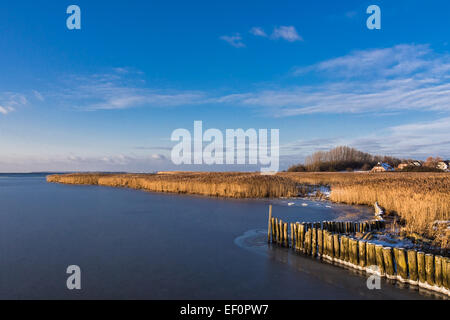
(335, 241)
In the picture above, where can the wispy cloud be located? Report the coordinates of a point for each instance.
(404, 77)
(75, 162)
(417, 140)
(113, 91)
(234, 40)
(387, 80)
(288, 33)
(38, 95)
(401, 60)
(258, 31)
(9, 101)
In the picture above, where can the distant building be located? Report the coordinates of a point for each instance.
(442, 165)
(403, 165)
(382, 167)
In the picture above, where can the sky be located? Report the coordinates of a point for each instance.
(108, 97)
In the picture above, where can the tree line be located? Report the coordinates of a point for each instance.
(342, 158)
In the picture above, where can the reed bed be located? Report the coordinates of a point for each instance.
(419, 199)
(230, 185)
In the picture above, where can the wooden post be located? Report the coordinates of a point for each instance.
(280, 228)
(274, 231)
(371, 254)
(308, 241)
(314, 241)
(421, 267)
(380, 258)
(326, 250)
(388, 261)
(302, 237)
(310, 244)
(429, 269)
(297, 236)
(341, 248)
(412, 265)
(402, 266)
(362, 253)
(347, 249)
(438, 270)
(285, 235)
(336, 250)
(395, 251)
(331, 245)
(320, 241)
(277, 232)
(446, 273)
(292, 235)
(269, 228)
(354, 251)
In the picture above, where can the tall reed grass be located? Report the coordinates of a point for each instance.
(231, 185)
(419, 199)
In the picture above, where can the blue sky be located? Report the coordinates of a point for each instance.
(108, 96)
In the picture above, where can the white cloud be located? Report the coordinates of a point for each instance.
(404, 77)
(288, 33)
(235, 40)
(159, 157)
(400, 60)
(258, 31)
(115, 91)
(38, 95)
(9, 101)
(4, 110)
(415, 140)
(75, 162)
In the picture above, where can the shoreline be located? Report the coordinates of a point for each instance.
(412, 202)
(250, 186)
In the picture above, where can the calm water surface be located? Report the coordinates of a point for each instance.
(137, 245)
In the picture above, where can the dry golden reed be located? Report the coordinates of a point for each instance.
(419, 199)
(230, 185)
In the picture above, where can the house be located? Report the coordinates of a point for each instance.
(442, 165)
(382, 167)
(411, 163)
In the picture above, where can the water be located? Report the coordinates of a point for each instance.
(137, 245)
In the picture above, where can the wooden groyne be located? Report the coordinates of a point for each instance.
(336, 242)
